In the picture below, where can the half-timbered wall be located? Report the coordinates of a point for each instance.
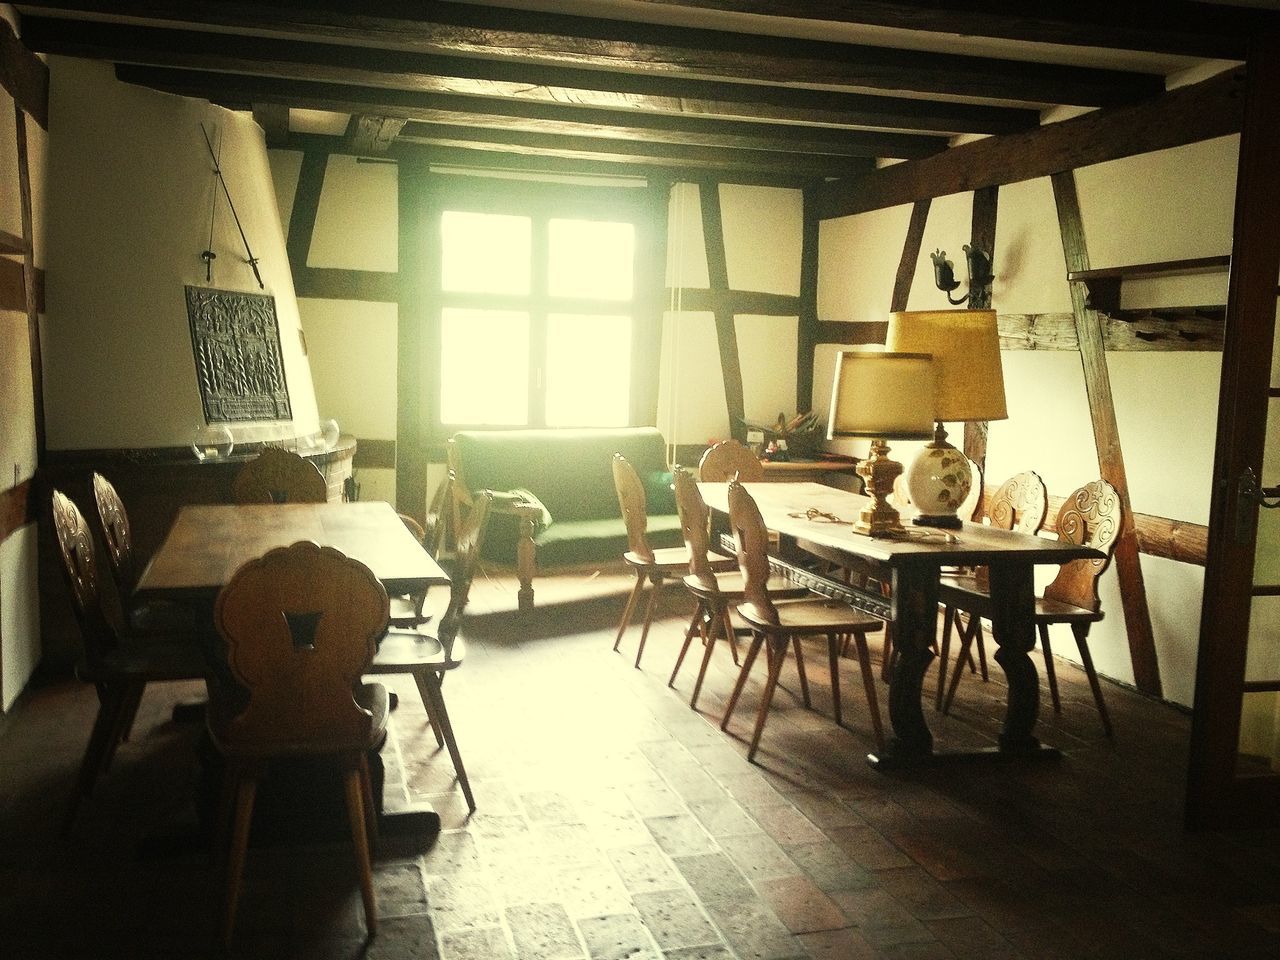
(1169, 205)
(19, 618)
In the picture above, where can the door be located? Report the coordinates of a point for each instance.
(1234, 773)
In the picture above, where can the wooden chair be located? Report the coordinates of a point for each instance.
(776, 623)
(279, 476)
(119, 666)
(300, 625)
(728, 459)
(428, 658)
(409, 610)
(1020, 504)
(716, 593)
(1091, 516)
(649, 566)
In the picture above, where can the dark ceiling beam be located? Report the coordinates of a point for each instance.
(531, 85)
(636, 152)
(1157, 26)
(462, 159)
(273, 118)
(392, 31)
(1211, 108)
(536, 117)
(372, 135)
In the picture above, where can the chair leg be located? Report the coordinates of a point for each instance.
(833, 657)
(356, 814)
(649, 608)
(434, 724)
(1049, 672)
(804, 679)
(752, 651)
(710, 633)
(949, 619)
(696, 625)
(982, 652)
(766, 699)
(869, 685)
(966, 639)
(246, 790)
(732, 634)
(131, 714)
(886, 657)
(370, 807)
(429, 684)
(629, 608)
(112, 700)
(1081, 630)
(124, 720)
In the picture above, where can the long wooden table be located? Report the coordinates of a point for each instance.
(207, 544)
(912, 565)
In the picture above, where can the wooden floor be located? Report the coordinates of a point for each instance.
(614, 822)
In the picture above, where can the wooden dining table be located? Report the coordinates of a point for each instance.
(207, 544)
(817, 520)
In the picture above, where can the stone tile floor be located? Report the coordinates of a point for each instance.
(614, 822)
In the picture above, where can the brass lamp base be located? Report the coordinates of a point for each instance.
(878, 518)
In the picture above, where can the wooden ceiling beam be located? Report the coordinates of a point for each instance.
(530, 88)
(373, 135)
(1158, 26)
(1211, 108)
(635, 152)
(406, 44)
(273, 118)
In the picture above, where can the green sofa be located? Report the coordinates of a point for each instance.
(555, 500)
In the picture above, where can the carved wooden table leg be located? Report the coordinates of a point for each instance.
(526, 563)
(1013, 626)
(915, 600)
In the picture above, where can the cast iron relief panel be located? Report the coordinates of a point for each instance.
(237, 350)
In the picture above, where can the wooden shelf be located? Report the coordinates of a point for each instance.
(11, 243)
(1103, 283)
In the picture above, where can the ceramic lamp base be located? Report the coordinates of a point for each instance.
(937, 481)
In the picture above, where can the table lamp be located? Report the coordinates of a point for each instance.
(883, 396)
(965, 345)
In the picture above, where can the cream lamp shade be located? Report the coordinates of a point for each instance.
(965, 345)
(881, 394)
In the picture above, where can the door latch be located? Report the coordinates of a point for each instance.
(1250, 495)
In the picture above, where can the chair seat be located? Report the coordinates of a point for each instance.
(730, 587)
(810, 616)
(160, 617)
(674, 560)
(373, 697)
(404, 651)
(1055, 611)
(961, 591)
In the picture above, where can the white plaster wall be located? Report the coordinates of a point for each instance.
(131, 188)
(762, 227)
(766, 348)
(353, 360)
(19, 613)
(357, 219)
(1169, 205)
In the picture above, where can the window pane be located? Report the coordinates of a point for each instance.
(485, 253)
(591, 259)
(484, 367)
(588, 370)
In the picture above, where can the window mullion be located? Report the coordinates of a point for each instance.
(538, 309)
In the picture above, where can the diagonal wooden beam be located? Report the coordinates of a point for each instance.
(1212, 108)
(455, 81)
(1106, 435)
(306, 204)
(24, 76)
(1164, 26)
(389, 27)
(910, 256)
(726, 330)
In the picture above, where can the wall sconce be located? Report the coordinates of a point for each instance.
(980, 277)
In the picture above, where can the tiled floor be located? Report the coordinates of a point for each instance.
(614, 822)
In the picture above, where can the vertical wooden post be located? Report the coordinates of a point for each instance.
(807, 333)
(29, 282)
(1106, 435)
(982, 234)
(726, 332)
(417, 335)
(651, 284)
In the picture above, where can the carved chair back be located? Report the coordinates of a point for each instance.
(80, 570)
(467, 547)
(1091, 516)
(1021, 503)
(300, 624)
(437, 519)
(279, 476)
(971, 507)
(631, 501)
(115, 533)
(753, 550)
(695, 521)
(728, 459)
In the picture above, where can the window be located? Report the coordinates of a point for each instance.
(537, 315)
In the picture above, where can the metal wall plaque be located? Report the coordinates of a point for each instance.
(237, 350)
